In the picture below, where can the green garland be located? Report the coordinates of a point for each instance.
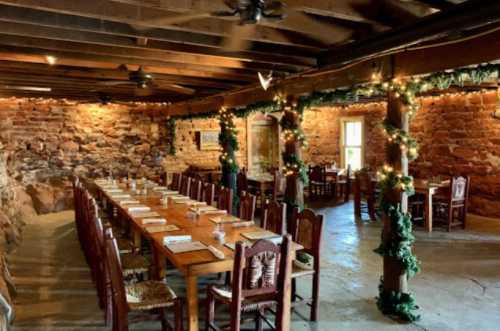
(397, 304)
(228, 140)
(171, 136)
(393, 303)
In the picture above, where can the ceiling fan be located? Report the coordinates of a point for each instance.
(145, 83)
(285, 15)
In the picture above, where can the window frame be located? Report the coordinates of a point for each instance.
(343, 121)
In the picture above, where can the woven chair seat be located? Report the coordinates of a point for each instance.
(125, 246)
(225, 294)
(149, 294)
(298, 271)
(134, 264)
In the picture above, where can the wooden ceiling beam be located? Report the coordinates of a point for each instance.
(139, 16)
(121, 34)
(15, 34)
(404, 64)
(42, 70)
(115, 60)
(470, 14)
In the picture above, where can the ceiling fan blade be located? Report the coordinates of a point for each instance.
(238, 37)
(175, 88)
(299, 21)
(114, 82)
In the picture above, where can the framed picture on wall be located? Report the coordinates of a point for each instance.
(208, 140)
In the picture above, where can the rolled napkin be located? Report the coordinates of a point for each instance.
(114, 190)
(145, 214)
(225, 219)
(171, 193)
(243, 224)
(120, 196)
(138, 208)
(208, 210)
(128, 202)
(217, 253)
(160, 188)
(154, 221)
(162, 228)
(168, 240)
(196, 203)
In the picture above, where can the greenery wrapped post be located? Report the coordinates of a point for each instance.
(399, 263)
(229, 144)
(293, 167)
(171, 135)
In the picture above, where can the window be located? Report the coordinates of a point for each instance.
(352, 142)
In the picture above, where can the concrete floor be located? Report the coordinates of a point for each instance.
(458, 289)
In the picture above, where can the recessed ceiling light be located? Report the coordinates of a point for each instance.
(51, 59)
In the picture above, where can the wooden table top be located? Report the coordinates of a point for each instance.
(201, 229)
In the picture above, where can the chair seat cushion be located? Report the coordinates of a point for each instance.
(134, 264)
(149, 294)
(225, 295)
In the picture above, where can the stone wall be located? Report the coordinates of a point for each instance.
(457, 135)
(48, 141)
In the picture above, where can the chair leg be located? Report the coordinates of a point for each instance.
(371, 209)
(315, 297)
(258, 320)
(163, 319)
(294, 290)
(210, 313)
(178, 315)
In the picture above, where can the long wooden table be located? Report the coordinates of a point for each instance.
(190, 264)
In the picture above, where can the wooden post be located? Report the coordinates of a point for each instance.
(229, 146)
(395, 278)
(294, 192)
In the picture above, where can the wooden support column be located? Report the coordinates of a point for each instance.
(294, 193)
(395, 278)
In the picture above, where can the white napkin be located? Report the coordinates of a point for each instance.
(217, 253)
(154, 221)
(176, 239)
(139, 208)
(128, 202)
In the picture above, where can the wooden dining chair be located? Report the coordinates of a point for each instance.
(343, 184)
(195, 189)
(318, 185)
(247, 206)
(176, 181)
(143, 297)
(241, 182)
(306, 230)
(366, 195)
(451, 209)
(185, 187)
(274, 217)
(225, 200)
(261, 276)
(208, 193)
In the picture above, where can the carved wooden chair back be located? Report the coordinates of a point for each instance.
(176, 181)
(274, 217)
(306, 230)
(114, 268)
(208, 193)
(185, 188)
(261, 272)
(225, 200)
(247, 206)
(241, 181)
(195, 189)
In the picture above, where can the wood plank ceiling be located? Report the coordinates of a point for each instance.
(89, 49)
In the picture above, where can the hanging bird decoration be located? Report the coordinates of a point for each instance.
(265, 81)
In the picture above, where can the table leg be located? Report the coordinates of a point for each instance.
(428, 211)
(262, 194)
(160, 265)
(192, 302)
(357, 203)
